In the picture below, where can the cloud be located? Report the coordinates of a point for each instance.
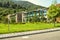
(20, 0)
(41, 2)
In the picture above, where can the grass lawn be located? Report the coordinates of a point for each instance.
(25, 27)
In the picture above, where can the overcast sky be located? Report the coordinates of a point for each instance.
(45, 3)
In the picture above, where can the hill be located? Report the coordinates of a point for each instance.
(18, 4)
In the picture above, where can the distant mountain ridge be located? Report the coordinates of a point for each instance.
(26, 4)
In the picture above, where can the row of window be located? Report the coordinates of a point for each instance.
(37, 13)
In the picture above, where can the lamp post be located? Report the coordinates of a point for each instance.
(8, 23)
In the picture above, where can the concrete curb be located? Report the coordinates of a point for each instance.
(3, 36)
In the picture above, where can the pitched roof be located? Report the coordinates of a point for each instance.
(58, 5)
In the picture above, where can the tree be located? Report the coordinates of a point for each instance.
(52, 12)
(58, 12)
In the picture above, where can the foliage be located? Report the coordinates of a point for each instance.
(52, 11)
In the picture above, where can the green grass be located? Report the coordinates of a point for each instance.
(25, 27)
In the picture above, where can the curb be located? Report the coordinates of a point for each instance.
(11, 35)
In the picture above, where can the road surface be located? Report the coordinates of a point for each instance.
(44, 36)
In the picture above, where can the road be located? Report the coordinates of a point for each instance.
(44, 36)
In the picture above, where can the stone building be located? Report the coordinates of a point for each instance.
(23, 16)
(19, 17)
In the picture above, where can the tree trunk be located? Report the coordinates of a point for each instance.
(54, 21)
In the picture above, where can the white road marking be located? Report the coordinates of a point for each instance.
(25, 37)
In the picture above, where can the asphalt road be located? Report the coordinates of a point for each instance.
(44, 36)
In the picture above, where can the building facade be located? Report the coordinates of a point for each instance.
(39, 13)
(24, 16)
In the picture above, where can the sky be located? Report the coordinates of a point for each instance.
(45, 3)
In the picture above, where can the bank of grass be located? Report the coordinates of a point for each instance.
(25, 27)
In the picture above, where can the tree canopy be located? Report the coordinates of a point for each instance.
(52, 11)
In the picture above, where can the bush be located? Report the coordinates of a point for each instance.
(34, 19)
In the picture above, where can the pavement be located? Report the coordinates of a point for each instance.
(45, 36)
(20, 34)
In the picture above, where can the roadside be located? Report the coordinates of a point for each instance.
(14, 28)
(2, 36)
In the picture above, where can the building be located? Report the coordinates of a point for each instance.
(23, 16)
